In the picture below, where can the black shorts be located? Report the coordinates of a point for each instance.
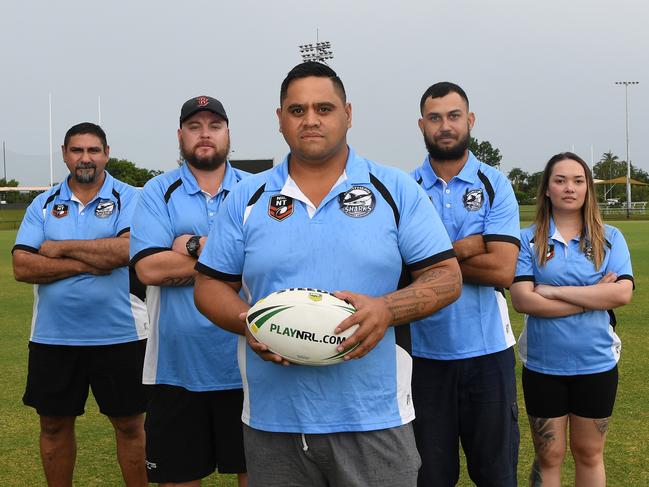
(59, 376)
(189, 434)
(553, 396)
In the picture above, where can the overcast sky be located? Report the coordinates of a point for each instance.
(539, 75)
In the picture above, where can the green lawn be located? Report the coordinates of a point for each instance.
(627, 447)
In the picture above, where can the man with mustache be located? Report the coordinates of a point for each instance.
(464, 385)
(89, 324)
(193, 422)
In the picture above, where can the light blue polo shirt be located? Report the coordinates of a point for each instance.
(185, 349)
(478, 201)
(583, 343)
(83, 309)
(374, 221)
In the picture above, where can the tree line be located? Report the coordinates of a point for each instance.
(525, 184)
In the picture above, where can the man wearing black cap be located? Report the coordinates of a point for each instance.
(193, 423)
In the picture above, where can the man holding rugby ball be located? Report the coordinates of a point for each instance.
(297, 225)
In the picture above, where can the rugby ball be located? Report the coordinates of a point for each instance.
(299, 324)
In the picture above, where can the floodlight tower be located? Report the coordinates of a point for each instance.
(626, 85)
(318, 52)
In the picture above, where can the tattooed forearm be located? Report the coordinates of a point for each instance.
(178, 281)
(542, 433)
(536, 480)
(404, 311)
(430, 291)
(601, 425)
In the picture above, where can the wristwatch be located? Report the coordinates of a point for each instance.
(192, 245)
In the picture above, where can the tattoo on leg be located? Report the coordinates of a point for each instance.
(601, 425)
(535, 475)
(542, 432)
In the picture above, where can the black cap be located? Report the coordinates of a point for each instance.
(201, 104)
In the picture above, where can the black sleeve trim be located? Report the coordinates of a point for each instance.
(433, 259)
(627, 277)
(523, 278)
(221, 276)
(145, 253)
(26, 248)
(172, 188)
(502, 238)
(123, 231)
(387, 196)
(488, 187)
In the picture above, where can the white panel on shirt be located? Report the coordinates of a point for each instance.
(34, 312)
(242, 345)
(140, 316)
(151, 356)
(404, 392)
(616, 344)
(522, 342)
(504, 319)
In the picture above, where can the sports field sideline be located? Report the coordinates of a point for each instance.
(627, 448)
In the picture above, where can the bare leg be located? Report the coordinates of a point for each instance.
(242, 478)
(587, 438)
(130, 439)
(549, 437)
(58, 449)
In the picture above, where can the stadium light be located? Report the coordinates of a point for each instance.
(318, 52)
(626, 85)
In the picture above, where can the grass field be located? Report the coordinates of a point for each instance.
(627, 449)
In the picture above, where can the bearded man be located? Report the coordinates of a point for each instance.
(463, 382)
(193, 422)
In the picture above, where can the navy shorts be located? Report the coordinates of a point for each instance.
(190, 434)
(472, 400)
(59, 378)
(553, 396)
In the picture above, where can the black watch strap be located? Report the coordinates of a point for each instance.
(192, 245)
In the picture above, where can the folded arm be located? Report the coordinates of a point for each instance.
(603, 295)
(34, 268)
(101, 253)
(525, 300)
(555, 301)
(491, 263)
(173, 267)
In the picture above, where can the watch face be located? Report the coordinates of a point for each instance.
(192, 245)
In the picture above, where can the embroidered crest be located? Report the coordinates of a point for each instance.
(550, 252)
(473, 199)
(588, 250)
(358, 202)
(60, 210)
(104, 209)
(280, 207)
